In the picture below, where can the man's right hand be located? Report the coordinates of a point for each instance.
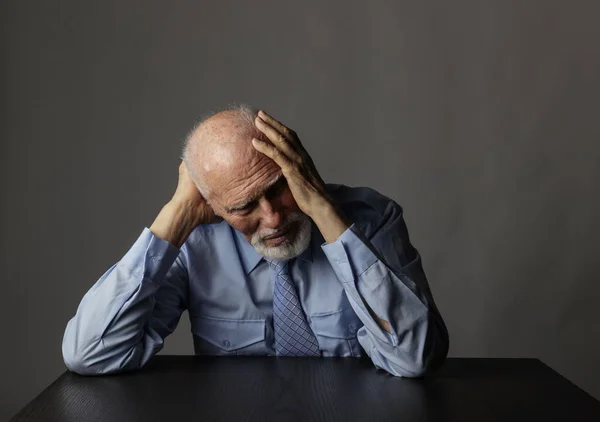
(184, 212)
(187, 194)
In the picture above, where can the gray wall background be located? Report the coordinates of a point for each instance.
(479, 117)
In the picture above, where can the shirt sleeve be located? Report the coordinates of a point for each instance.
(385, 269)
(123, 319)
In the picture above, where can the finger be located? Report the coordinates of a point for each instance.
(273, 153)
(290, 135)
(278, 139)
(280, 127)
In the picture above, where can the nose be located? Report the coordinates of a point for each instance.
(271, 214)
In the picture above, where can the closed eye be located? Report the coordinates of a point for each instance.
(272, 192)
(245, 209)
(277, 188)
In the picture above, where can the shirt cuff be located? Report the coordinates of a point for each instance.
(150, 256)
(351, 253)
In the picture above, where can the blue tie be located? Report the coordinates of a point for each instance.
(293, 336)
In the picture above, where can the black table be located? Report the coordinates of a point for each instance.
(182, 388)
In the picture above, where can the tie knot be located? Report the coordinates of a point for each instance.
(278, 266)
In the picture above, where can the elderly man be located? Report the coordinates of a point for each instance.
(268, 260)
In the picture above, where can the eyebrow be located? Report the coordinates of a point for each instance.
(268, 186)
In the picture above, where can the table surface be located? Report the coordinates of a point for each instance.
(181, 388)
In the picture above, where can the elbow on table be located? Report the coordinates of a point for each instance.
(76, 361)
(90, 364)
(436, 356)
(78, 365)
(431, 358)
(412, 370)
(416, 369)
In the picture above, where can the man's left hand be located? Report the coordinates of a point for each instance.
(304, 181)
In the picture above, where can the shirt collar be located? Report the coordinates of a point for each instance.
(250, 258)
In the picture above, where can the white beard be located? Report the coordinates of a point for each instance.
(289, 248)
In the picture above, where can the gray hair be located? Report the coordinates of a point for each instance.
(242, 114)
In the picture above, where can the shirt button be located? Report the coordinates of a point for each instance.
(226, 343)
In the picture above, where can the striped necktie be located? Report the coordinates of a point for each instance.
(293, 336)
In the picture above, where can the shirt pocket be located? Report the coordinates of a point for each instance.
(216, 336)
(336, 332)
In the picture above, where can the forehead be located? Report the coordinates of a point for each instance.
(244, 180)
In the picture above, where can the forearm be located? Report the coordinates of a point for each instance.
(385, 325)
(109, 326)
(330, 220)
(415, 341)
(405, 334)
(332, 223)
(175, 223)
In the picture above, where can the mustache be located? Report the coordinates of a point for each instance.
(289, 220)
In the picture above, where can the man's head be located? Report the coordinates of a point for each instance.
(243, 186)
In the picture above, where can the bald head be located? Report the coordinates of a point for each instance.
(245, 187)
(220, 145)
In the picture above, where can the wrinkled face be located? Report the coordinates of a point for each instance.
(254, 198)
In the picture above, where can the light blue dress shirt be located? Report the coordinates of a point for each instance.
(227, 288)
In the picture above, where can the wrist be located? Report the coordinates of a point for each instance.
(181, 204)
(330, 220)
(174, 223)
